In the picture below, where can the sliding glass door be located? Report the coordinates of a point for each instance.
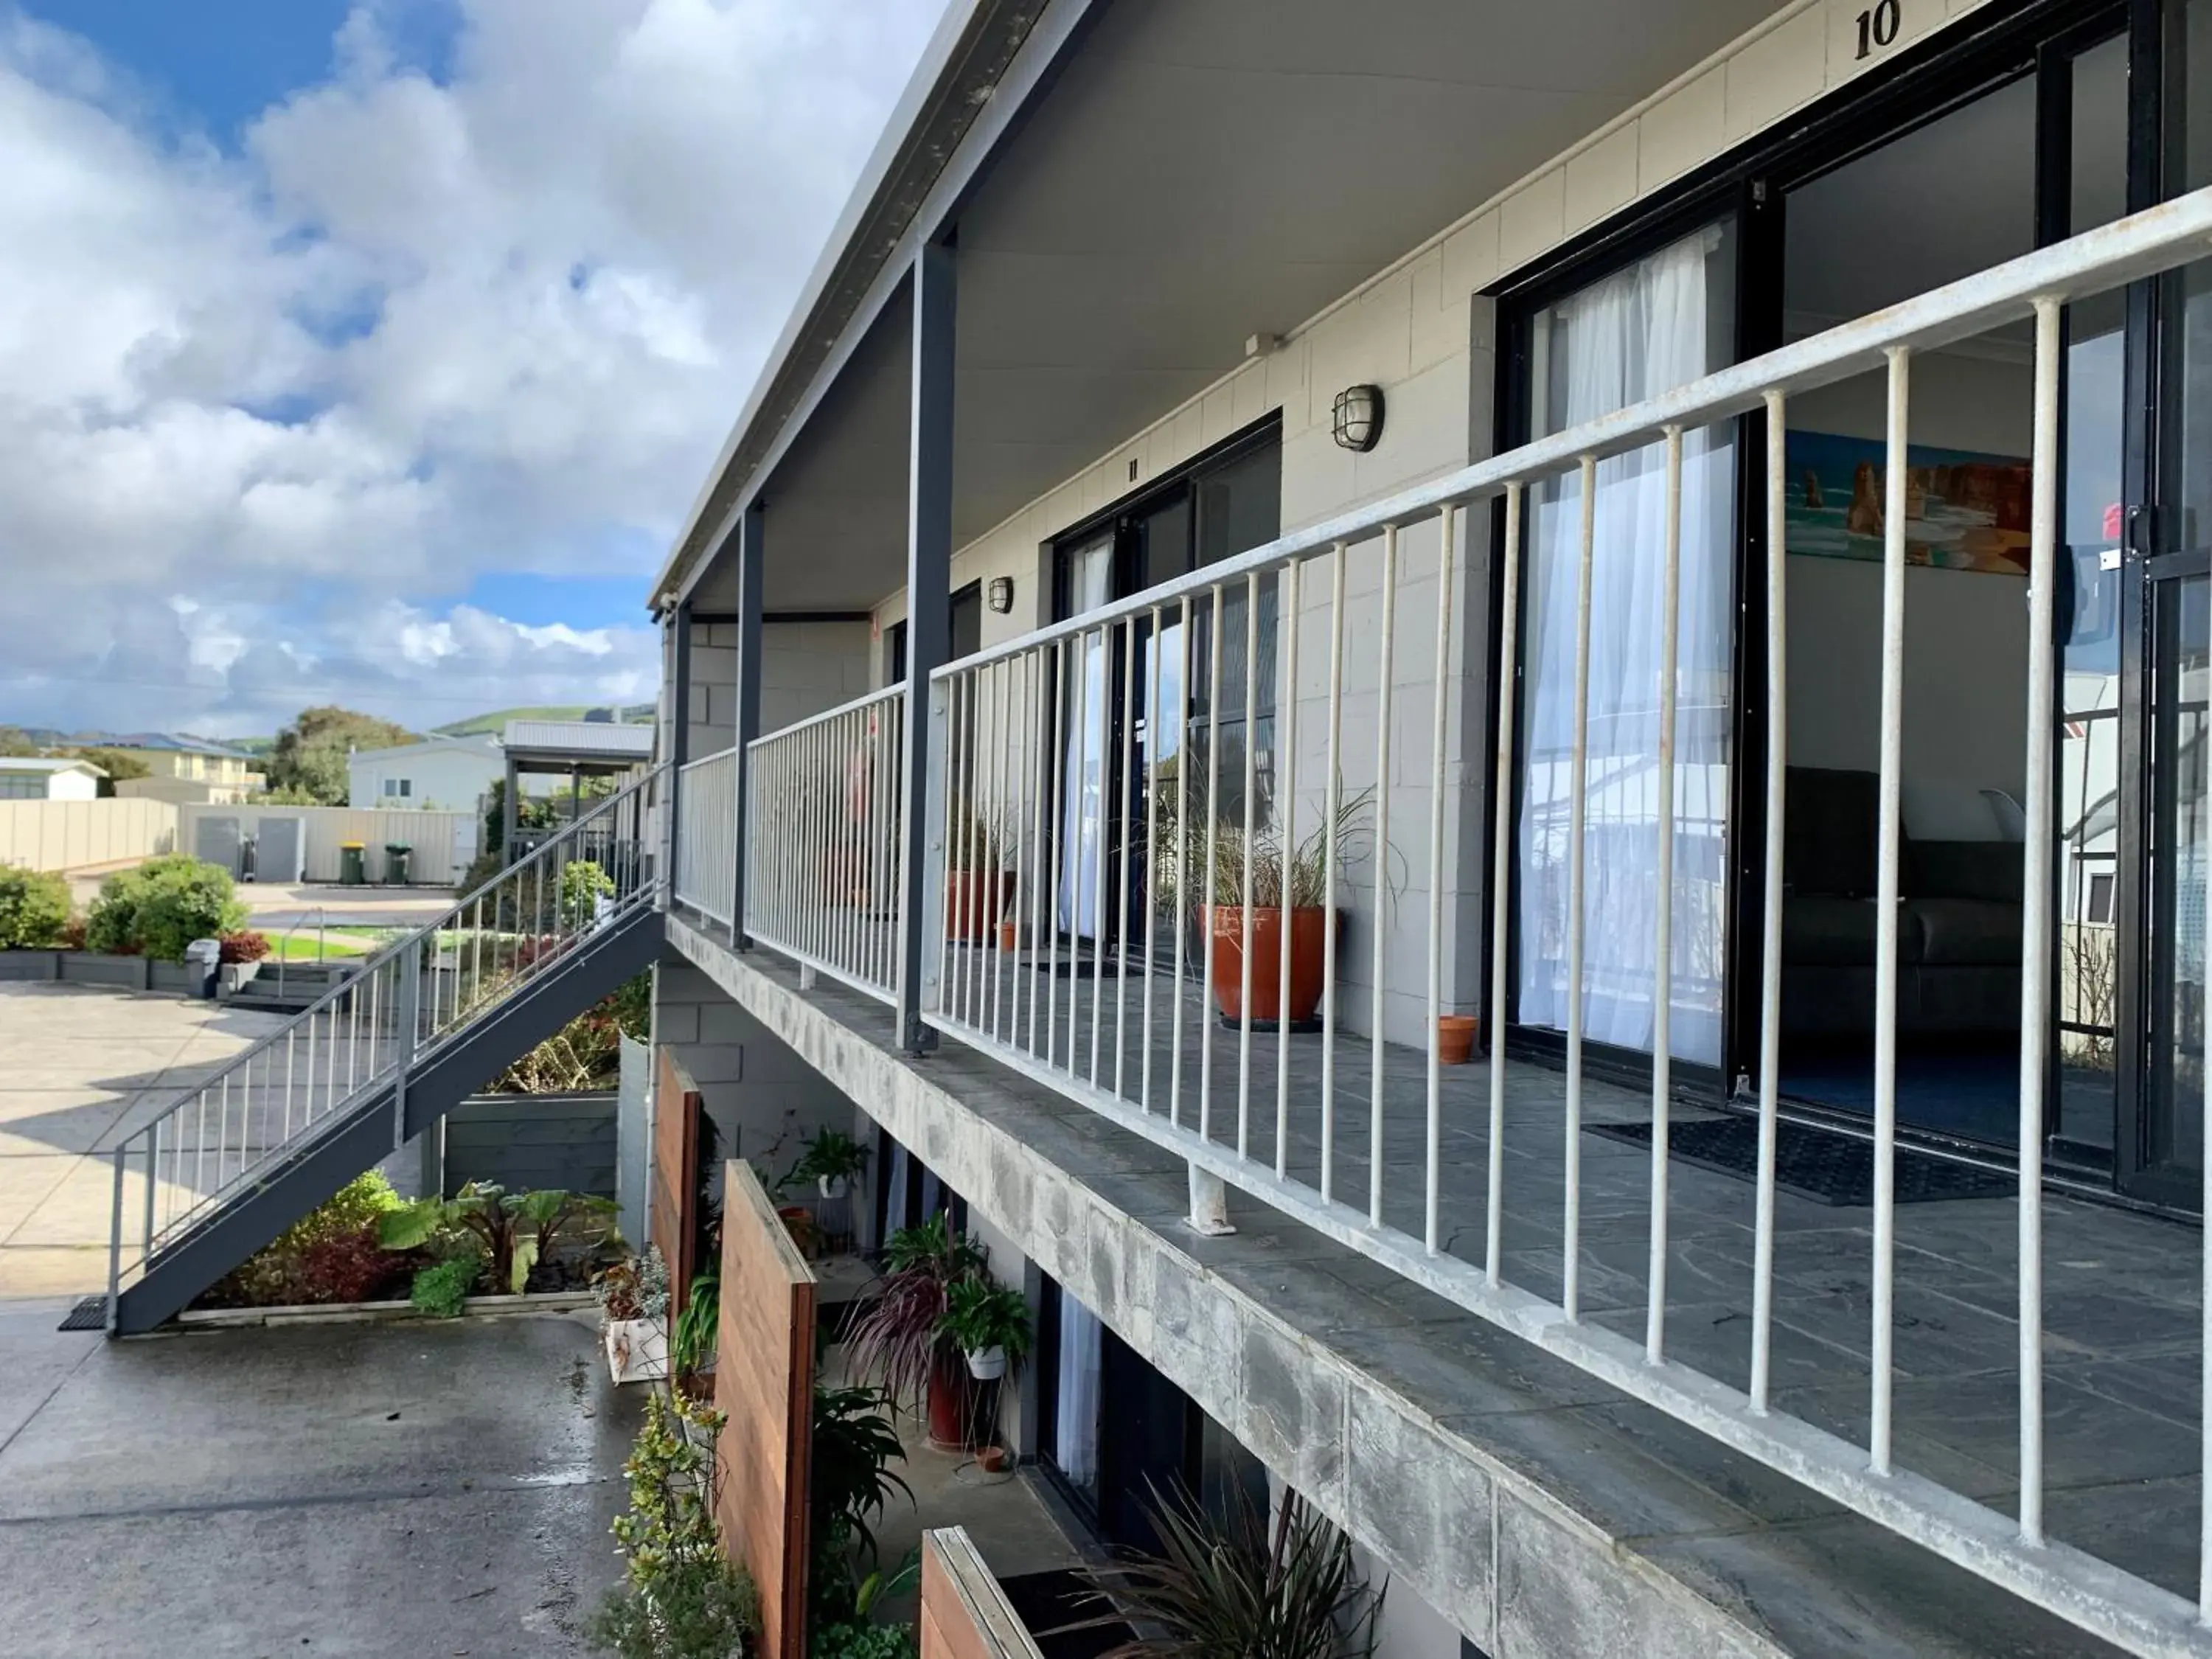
(1661, 321)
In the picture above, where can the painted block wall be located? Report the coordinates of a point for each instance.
(762, 1096)
(1422, 331)
(805, 667)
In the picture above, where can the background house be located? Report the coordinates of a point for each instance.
(447, 772)
(25, 778)
(227, 775)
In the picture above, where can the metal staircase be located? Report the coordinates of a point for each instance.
(379, 1058)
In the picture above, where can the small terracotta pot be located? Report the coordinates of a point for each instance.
(1309, 939)
(1006, 936)
(1455, 1035)
(992, 1459)
(974, 901)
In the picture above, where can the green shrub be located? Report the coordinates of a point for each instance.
(163, 906)
(679, 1599)
(439, 1290)
(583, 884)
(857, 1639)
(330, 1255)
(34, 909)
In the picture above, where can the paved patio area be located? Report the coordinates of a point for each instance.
(80, 1067)
(357, 1489)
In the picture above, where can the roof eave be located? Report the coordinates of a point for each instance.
(975, 43)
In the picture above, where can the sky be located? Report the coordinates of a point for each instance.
(372, 353)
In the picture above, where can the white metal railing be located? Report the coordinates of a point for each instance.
(231, 1132)
(1084, 775)
(823, 841)
(707, 836)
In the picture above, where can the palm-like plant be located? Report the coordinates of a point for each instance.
(514, 1230)
(898, 1335)
(1186, 848)
(1238, 1590)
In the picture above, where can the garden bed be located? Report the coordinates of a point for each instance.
(329, 1313)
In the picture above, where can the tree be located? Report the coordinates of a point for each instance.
(310, 754)
(13, 741)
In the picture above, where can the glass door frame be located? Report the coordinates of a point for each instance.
(1961, 64)
(1125, 520)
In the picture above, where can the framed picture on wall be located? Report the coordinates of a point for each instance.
(1963, 511)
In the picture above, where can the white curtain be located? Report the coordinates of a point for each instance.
(1083, 717)
(1630, 337)
(1075, 1413)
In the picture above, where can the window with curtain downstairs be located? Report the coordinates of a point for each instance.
(1663, 321)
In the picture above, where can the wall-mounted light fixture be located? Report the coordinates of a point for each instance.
(1358, 417)
(1002, 592)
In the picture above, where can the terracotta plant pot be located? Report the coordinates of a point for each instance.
(1006, 936)
(951, 1395)
(973, 899)
(1455, 1035)
(992, 1459)
(1309, 943)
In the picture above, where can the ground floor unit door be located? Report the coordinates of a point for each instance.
(2037, 128)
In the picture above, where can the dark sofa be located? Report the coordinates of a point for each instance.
(1958, 928)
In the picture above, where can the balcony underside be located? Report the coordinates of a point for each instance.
(2122, 1354)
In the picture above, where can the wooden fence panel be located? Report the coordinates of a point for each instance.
(675, 1174)
(764, 1383)
(964, 1613)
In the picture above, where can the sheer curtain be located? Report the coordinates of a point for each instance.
(1651, 327)
(1090, 571)
(1075, 1409)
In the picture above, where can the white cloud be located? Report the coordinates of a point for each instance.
(267, 414)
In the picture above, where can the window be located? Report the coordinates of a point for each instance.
(1224, 504)
(399, 786)
(2100, 899)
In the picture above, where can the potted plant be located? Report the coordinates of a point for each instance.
(831, 1159)
(1218, 845)
(991, 1324)
(691, 1344)
(979, 874)
(633, 1297)
(898, 1334)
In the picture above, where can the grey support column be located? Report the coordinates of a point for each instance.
(679, 733)
(752, 559)
(510, 816)
(928, 627)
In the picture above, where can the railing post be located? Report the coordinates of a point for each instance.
(115, 1248)
(408, 1006)
(679, 745)
(752, 560)
(929, 635)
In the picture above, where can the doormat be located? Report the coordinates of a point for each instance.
(89, 1314)
(1815, 1163)
(1048, 1603)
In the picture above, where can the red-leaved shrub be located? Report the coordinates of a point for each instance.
(243, 947)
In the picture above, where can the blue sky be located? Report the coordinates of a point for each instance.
(375, 348)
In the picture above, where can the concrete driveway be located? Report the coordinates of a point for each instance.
(359, 1489)
(80, 1067)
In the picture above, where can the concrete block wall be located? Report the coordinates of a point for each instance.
(1493, 1552)
(1424, 332)
(763, 1098)
(805, 667)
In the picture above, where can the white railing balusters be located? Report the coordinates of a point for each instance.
(1386, 673)
(1577, 814)
(1440, 743)
(1501, 885)
(1248, 860)
(1662, 928)
(1889, 851)
(1332, 809)
(1770, 957)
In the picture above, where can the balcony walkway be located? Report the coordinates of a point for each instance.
(2122, 1344)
